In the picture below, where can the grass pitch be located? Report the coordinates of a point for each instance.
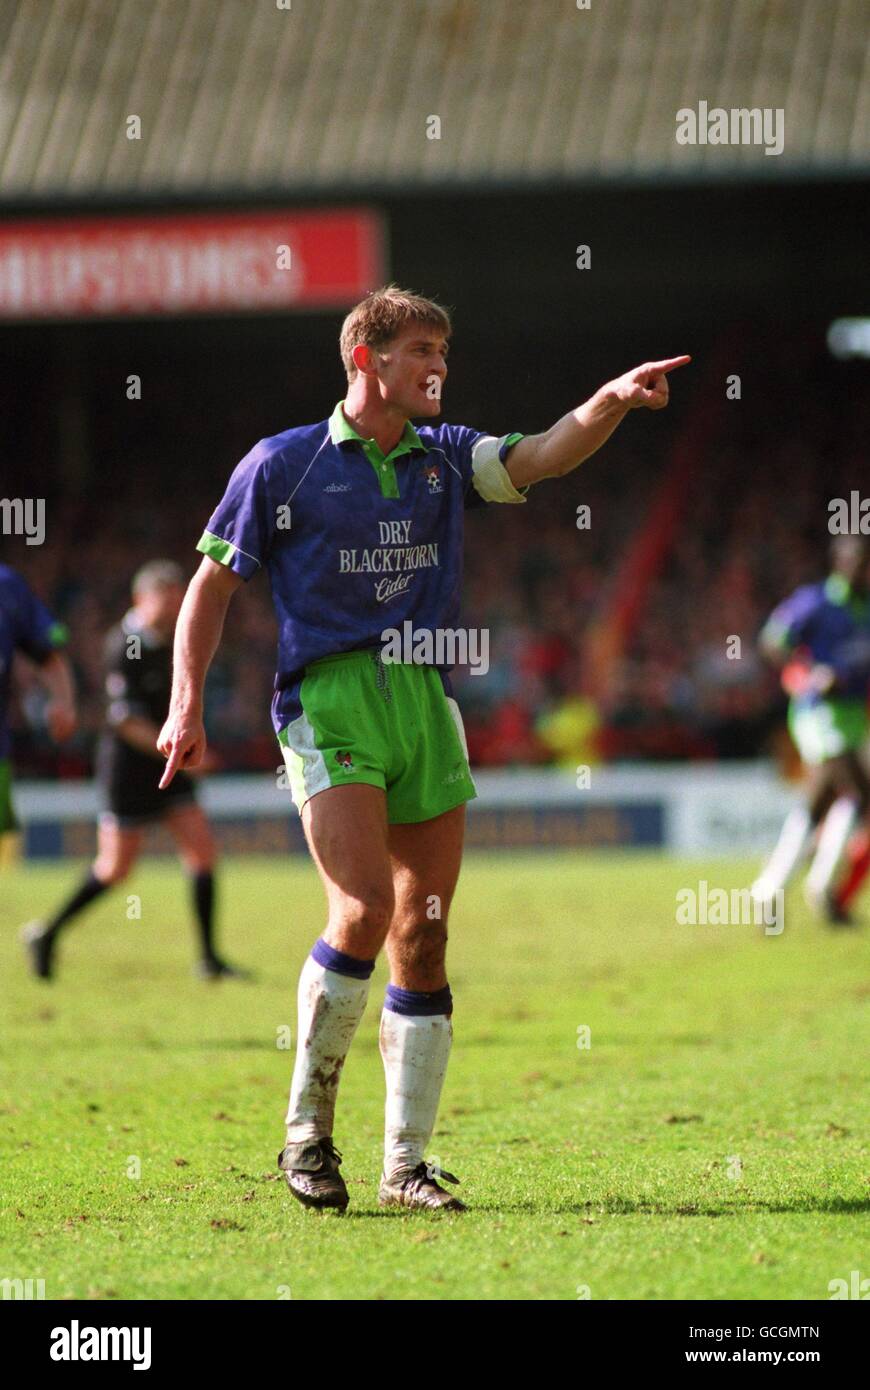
(709, 1143)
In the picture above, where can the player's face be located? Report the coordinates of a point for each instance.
(412, 370)
(850, 560)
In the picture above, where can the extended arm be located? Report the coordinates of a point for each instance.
(197, 634)
(775, 646)
(579, 433)
(55, 675)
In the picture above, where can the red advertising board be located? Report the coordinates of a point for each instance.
(197, 263)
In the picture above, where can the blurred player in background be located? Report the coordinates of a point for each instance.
(27, 626)
(856, 870)
(374, 749)
(820, 636)
(138, 681)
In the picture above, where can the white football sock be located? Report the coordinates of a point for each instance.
(415, 1050)
(838, 826)
(330, 1008)
(790, 847)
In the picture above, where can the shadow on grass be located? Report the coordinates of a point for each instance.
(614, 1206)
(206, 1045)
(648, 1206)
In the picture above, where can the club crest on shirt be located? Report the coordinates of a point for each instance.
(344, 760)
(433, 477)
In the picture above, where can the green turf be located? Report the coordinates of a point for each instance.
(610, 1168)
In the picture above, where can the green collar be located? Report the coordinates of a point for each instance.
(838, 590)
(340, 431)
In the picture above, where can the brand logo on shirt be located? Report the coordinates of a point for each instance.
(337, 487)
(433, 477)
(394, 555)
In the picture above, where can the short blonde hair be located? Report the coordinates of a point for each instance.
(383, 315)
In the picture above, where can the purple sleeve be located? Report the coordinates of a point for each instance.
(789, 623)
(37, 631)
(240, 530)
(457, 441)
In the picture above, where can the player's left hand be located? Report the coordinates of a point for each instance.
(821, 679)
(646, 385)
(61, 720)
(795, 677)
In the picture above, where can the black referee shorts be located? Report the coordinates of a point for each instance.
(128, 791)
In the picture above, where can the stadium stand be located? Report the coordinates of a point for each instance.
(526, 92)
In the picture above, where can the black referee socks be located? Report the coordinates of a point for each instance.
(90, 889)
(203, 902)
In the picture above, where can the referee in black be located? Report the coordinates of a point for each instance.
(138, 666)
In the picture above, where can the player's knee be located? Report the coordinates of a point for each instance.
(368, 915)
(421, 912)
(201, 862)
(862, 798)
(420, 941)
(111, 871)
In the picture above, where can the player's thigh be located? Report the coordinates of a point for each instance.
(193, 838)
(425, 858)
(821, 790)
(346, 830)
(118, 849)
(840, 776)
(855, 779)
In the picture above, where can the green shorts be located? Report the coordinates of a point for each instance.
(7, 813)
(384, 724)
(827, 729)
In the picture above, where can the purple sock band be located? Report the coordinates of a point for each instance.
(412, 1001)
(342, 964)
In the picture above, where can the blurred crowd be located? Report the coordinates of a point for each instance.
(751, 524)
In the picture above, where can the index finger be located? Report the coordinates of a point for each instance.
(669, 364)
(170, 769)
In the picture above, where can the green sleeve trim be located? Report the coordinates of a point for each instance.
(775, 635)
(221, 552)
(508, 442)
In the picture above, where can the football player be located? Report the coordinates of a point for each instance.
(358, 521)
